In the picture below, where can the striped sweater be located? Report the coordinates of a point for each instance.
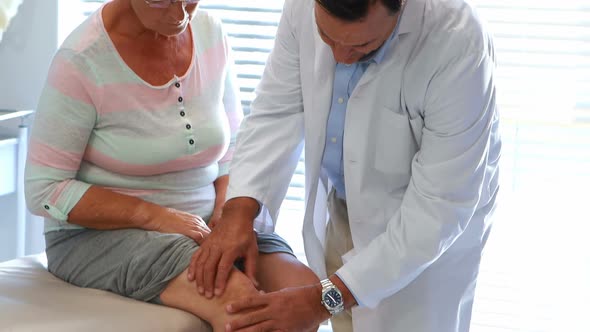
(98, 123)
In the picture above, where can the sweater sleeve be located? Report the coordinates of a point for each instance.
(64, 121)
(233, 109)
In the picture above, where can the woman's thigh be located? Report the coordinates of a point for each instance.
(131, 262)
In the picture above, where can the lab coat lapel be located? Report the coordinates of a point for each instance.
(324, 67)
(316, 119)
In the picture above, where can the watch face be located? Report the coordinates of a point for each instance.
(332, 298)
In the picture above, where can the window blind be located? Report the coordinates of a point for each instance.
(251, 27)
(543, 49)
(543, 82)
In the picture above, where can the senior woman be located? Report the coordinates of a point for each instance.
(129, 155)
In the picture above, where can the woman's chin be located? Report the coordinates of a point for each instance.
(172, 30)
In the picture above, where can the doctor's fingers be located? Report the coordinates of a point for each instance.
(192, 269)
(224, 268)
(250, 261)
(206, 270)
(196, 272)
(227, 264)
(210, 269)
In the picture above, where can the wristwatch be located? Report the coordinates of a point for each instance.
(332, 297)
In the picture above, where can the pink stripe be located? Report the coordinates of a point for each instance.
(200, 159)
(43, 213)
(91, 33)
(134, 192)
(67, 79)
(234, 118)
(228, 155)
(48, 156)
(209, 67)
(143, 97)
(211, 64)
(58, 191)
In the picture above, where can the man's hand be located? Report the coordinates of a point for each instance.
(290, 309)
(232, 238)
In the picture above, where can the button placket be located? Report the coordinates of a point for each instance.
(182, 113)
(180, 100)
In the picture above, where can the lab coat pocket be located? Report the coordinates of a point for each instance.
(395, 143)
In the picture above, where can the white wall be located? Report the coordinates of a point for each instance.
(25, 53)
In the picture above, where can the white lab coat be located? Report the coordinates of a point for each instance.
(420, 153)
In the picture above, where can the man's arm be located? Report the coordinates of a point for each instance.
(446, 187)
(268, 147)
(347, 296)
(448, 182)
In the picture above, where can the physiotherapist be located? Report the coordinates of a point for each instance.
(396, 104)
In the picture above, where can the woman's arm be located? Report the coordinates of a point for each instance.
(64, 122)
(100, 208)
(220, 190)
(234, 114)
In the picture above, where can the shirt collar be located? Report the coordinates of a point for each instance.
(377, 57)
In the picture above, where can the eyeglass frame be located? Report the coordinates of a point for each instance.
(167, 3)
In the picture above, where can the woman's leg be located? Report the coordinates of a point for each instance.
(280, 270)
(182, 294)
(275, 271)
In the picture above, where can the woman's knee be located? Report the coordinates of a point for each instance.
(281, 270)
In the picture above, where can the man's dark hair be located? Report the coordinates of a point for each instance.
(354, 10)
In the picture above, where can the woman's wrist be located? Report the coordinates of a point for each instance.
(147, 215)
(219, 203)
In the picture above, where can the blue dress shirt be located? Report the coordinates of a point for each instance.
(346, 78)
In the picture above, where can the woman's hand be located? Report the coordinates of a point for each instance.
(167, 220)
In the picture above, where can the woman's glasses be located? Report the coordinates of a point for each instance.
(167, 3)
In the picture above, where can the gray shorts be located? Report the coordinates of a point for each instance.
(131, 262)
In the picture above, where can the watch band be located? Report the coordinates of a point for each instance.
(328, 290)
(327, 283)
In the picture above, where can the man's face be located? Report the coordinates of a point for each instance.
(351, 41)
